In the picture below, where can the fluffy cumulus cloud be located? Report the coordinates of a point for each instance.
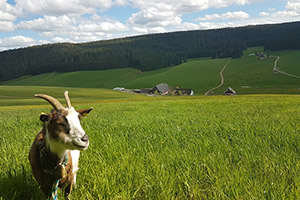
(89, 20)
(153, 17)
(65, 7)
(73, 29)
(8, 14)
(6, 26)
(264, 14)
(229, 15)
(293, 5)
(48, 23)
(169, 12)
(16, 41)
(290, 13)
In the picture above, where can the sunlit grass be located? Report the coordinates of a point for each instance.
(244, 147)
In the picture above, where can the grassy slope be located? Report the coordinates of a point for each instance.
(199, 74)
(193, 148)
(24, 95)
(83, 79)
(258, 74)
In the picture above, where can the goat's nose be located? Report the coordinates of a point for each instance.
(85, 138)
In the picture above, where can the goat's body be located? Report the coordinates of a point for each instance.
(55, 151)
(44, 179)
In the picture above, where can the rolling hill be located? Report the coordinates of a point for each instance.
(247, 75)
(146, 52)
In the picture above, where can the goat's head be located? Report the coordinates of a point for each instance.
(62, 125)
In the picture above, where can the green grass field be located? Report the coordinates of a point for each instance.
(199, 147)
(246, 75)
(241, 147)
(200, 74)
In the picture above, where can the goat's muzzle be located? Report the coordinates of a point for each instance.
(85, 138)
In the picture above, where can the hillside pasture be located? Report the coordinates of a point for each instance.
(249, 75)
(24, 95)
(246, 75)
(82, 79)
(242, 147)
(198, 74)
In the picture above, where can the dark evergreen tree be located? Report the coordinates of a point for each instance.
(147, 52)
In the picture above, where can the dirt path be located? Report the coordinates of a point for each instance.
(276, 69)
(43, 78)
(222, 80)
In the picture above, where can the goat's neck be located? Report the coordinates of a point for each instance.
(54, 147)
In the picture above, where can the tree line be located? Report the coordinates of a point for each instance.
(147, 52)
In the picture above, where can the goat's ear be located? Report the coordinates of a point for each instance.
(45, 117)
(84, 112)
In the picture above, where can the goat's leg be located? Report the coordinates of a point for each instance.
(68, 190)
(46, 190)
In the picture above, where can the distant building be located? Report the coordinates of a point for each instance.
(146, 90)
(137, 91)
(186, 91)
(261, 55)
(120, 89)
(162, 89)
(229, 91)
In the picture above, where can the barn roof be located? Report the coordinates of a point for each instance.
(229, 91)
(162, 88)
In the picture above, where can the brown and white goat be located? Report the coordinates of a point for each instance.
(55, 151)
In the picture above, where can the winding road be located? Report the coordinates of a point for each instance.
(38, 81)
(209, 92)
(276, 69)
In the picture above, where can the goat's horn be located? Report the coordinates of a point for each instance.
(54, 102)
(67, 99)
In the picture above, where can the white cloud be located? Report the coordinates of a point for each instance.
(74, 29)
(66, 7)
(271, 9)
(81, 21)
(5, 16)
(229, 15)
(264, 14)
(292, 11)
(8, 14)
(293, 5)
(185, 6)
(48, 23)
(212, 25)
(286, 14)
(152, 17)
(6, 26)
(226, 3)
(168, 13)
(105, 26)
(55, 7)
(16, 42)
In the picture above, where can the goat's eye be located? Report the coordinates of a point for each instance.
(61, 124)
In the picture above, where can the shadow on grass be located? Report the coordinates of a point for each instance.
(19, 184)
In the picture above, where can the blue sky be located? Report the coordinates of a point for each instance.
(33, 22)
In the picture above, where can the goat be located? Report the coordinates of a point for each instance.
(55, 151)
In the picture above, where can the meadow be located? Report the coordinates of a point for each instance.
(246, 75)
(241, 147)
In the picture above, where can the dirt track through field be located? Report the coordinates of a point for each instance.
(276, 69)
(38, 81)
(222, 80)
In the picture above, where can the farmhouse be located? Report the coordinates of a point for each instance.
(186, 91)
(161, 88)
(261, 56)
(229, 91)
(120, 89)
